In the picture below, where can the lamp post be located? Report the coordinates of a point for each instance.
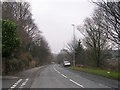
(74, 44)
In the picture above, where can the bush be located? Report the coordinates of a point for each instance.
(12, 66)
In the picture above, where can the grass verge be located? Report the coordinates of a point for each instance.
(100, 72)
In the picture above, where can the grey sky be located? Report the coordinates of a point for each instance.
(54, 19)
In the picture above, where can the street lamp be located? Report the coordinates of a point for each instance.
(74, 44)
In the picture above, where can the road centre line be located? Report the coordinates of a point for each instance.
(76, 83)
(56, 70)
(15, 84)
(69, 79)
(64, 75)
(60, 73)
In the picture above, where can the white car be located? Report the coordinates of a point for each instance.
(66, 63)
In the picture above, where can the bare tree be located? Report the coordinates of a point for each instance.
(32, 44)
(70, 46)
(111, 13)
(95, 38)
(19, 12)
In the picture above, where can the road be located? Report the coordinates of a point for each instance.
(56, 76)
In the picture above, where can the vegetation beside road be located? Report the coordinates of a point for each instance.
(99, 46)
(97, 71)
(23, 46)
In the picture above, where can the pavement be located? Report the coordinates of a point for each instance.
(56, 76)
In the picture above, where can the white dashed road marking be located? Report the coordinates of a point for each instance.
(21, 86)
(69, 79)
(56, 70)
(64, 75)
(26, 80)
(76, 83)
(24, 83)
(16, 83)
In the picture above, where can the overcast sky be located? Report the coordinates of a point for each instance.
(54, 19)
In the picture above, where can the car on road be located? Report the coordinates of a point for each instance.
(66, 63)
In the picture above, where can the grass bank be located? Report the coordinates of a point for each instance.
(100, 72)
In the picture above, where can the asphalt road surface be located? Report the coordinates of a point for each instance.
(56, 76)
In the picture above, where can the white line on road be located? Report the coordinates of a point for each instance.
(64, 75)
(26, 80)
(76, 83)
(13, 86)
(69, 79)
(56, 70)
